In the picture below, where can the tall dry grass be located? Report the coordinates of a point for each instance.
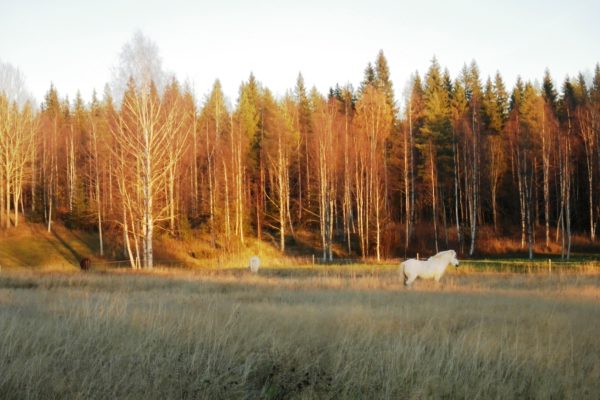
(307, 333)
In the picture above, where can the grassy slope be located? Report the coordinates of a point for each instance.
(30, 245)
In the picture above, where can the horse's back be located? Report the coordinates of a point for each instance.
(413, 265)
(425, 269)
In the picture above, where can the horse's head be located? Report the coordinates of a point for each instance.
(454, 260)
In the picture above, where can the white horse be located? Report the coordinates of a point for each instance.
(254, 264)
(432, 268)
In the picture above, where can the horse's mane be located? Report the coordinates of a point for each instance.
(441, 254)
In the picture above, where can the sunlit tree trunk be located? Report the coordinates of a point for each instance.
(522, 197)
(211, 193)
(433, 195)
(195, 192)
(497, 167)
(97, 185)
(71, 168)
(587, 134)
(227, 208)
(347, 202)
(408, 187)
(456, 158)
(546, 173)
(474, 183)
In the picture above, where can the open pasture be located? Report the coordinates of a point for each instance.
(311, 332)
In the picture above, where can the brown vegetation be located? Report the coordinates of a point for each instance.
(349, 332)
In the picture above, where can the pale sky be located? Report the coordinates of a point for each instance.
(76, 43)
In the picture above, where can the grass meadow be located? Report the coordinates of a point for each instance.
(313, 332)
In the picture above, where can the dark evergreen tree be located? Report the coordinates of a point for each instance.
(435, 140)
(383, 80)
(549, 92)
(502, 99)
(595, 89)
(370, 78)
(492, 118)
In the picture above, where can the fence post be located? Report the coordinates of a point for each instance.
(549, 266)
(417, 256)
(313, 259)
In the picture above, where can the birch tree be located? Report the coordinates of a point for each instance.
(17, 135)
(324, 136)
(374, 123)
(143, 134)
(281, 141)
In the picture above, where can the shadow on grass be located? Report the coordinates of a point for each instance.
(90, 241)
(65, 250)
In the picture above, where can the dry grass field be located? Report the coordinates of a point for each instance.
(320, 332)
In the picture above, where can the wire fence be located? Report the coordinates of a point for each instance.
(475, 263)
(221, 263)
(539, 265)
(325, 261)
(127, 264)
(522, 265)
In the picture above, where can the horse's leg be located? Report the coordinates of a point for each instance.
(437, 281)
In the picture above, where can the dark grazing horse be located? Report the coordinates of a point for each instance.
(85, 264)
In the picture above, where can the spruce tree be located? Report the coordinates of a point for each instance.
(369, 79)
(383, 81)
(595, 89)
(502, 99)
(491, 112)
(548, 91)
(517, 94)
(581, 91)
(435, 141)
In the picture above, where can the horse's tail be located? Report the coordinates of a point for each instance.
(402, 273)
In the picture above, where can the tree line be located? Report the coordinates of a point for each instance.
(365, 179)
